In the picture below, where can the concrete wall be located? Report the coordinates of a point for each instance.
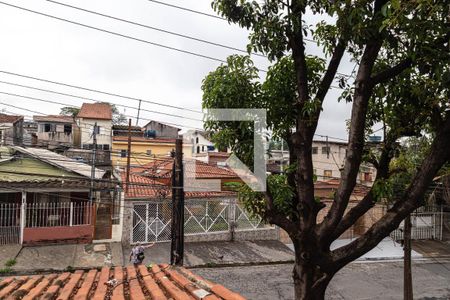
(270, 233)
(86, 127)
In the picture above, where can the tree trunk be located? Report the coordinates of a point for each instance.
(309, 282)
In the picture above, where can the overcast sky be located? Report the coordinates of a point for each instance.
(42, 47)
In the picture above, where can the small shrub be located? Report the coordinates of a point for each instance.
(10, 262)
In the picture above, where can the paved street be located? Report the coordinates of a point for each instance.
(357, 281)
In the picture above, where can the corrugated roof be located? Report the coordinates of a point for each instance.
(4, 118)
(54, 118)
(102, 111)
(158, 282)
(60, 161)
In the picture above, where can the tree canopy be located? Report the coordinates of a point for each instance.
(402, 80)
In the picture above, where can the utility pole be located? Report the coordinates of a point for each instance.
(94, 157)
(177, 245)
(128, 156)
(139, 110)
(407, 274)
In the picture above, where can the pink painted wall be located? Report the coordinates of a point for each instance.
(60, 234)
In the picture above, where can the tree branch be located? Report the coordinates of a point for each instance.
(389, 73)
(363, 91)
(275, 217)
(368, 201)
(437, 157)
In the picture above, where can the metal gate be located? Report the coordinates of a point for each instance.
(9, 223)
(151, 222)
(427, 223)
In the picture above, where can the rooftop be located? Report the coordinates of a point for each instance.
(9, 118)
(101, 111)
(162, 168)
(141, 187)
(60, 161)
(139, 139)
(54, 118)
(158, 282)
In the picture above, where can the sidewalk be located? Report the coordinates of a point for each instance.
(61, 257)
(204, 254)
(387, 249)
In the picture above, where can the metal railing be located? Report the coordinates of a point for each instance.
(152, 220)
(57, 214)
(9, 223)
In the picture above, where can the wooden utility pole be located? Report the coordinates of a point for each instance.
(177, 245)
(138, 112)
(127, 183)
(94, 157)
(407, 274)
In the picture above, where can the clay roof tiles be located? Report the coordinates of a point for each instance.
(101, 111)
(158, 282)
(141, 187)
(9, 118)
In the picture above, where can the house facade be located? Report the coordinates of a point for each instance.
(143, 149)
(200, 144)
(155, 129)
(328, 161)
(54, 131)
(91, 114)
(45, 197)
(11, 130)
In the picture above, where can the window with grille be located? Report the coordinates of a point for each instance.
(327, 173)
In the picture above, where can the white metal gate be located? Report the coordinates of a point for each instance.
(152, 220)
(9, 223)
(426, 224)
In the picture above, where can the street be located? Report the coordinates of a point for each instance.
(374, 280)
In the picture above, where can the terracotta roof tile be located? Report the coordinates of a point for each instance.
(162, 168)
(161, 282)
(9, 118)
(102, 111)
(141, 187)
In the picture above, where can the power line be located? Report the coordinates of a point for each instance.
(188, 9)
(80, 98)
(120, 34)
(154, 28)
(97, 91)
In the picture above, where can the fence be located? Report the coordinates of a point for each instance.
(427, 223)
(9, 223)
(152, 220)
(57, 214)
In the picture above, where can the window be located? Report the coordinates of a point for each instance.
(198, 149)
(123, 153)
(203, 148)
(327, 173)
(325, 150)
(196, 140)
(149, 152)
(314, 150)
(366, 176)
(314, 171)
(68, 129)
(105, 147)
(47, 127)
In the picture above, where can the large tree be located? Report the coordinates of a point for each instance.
(402, 79)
